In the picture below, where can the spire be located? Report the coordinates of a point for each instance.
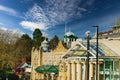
(45, 38)
(65, 27)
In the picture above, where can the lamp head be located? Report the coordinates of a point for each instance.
(87, 33)
(96, 26)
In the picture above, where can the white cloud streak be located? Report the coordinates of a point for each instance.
(9, 11)
(82, 9)
(54, 12)
(3, 28)
(90, 2)
(33, 25)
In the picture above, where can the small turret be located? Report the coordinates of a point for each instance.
(69, 37)
(45, 46)
(36, 60)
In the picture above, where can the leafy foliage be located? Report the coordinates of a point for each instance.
(23, 46)
(37, 37)
(6, 55)
(54, 42)
(12, 53)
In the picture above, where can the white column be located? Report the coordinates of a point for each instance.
(73, 70)
(47, 76)
(79, 71)
(99, 70)
(91, 71)
(84, 72)
(68, 71)
(68, 39)
(52, 76)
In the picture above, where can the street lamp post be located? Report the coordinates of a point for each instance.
(97, 29)
(87, 62)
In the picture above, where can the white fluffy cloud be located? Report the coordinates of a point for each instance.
(9, 11)
(33, 25)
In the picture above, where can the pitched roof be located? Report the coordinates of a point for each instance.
(60, 47)
(23, 65)
(105, 48)
(112, 47)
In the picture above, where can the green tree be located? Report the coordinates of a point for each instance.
(54, 42)
(23, 46)
(6, 54)
(2, 54)
(37, 37)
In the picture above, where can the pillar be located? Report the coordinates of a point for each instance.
(52, 76)
(49, 77)
(79, 71)
(84, 72)
(46, 76)
(99, 70)
(73, 70)
(68, 71)
(91, 71)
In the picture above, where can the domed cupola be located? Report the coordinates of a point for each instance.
(69, 37)
(69, 33)
(45, 45)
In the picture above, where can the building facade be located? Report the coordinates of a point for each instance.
(108, 65)
(46, 61)
(70, 64)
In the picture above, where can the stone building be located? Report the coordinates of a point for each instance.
(108, 65)
(70, 64)
(45, 64)
(36, 60)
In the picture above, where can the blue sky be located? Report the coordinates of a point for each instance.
(50, 16)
